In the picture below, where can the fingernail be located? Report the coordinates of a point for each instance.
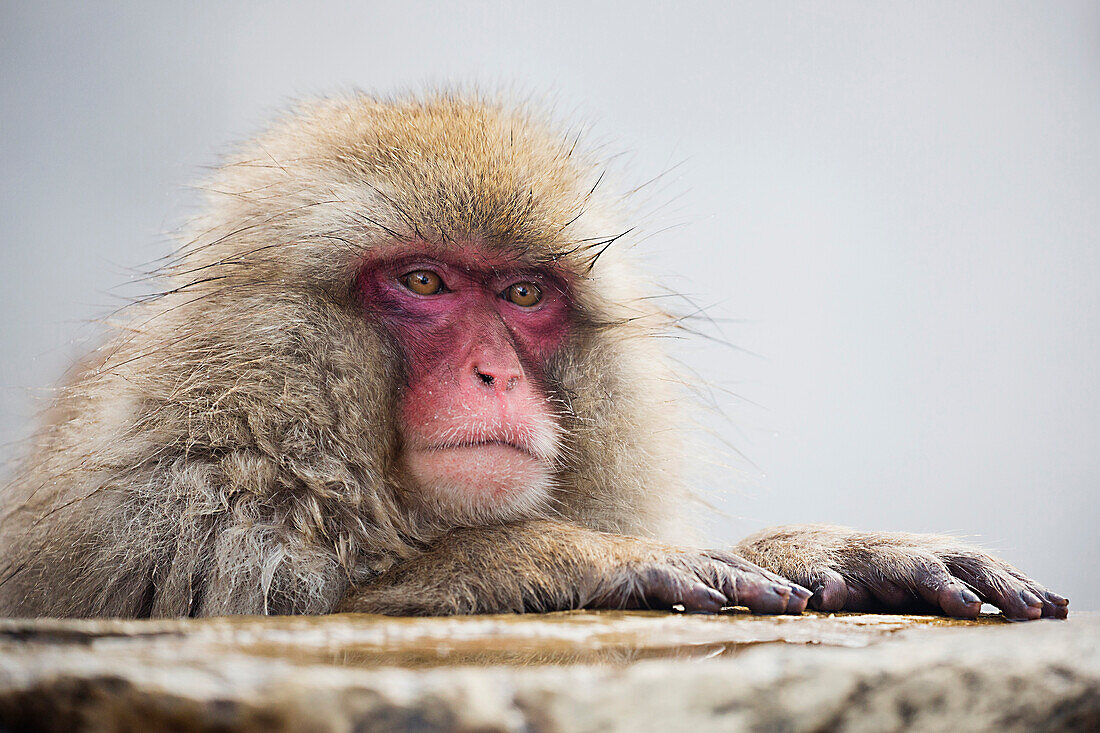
(1057, 599)
(969, 596)
(1029, 598)
(800, 592)
(716, 597)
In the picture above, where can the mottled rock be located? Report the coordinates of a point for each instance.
(561, 672)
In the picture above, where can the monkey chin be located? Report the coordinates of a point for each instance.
(479, 481)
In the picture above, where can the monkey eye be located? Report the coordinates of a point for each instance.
(423, 282)
(524, 294)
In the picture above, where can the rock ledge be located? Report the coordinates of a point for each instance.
(569, 672)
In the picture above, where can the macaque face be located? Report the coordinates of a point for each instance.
(478, 432)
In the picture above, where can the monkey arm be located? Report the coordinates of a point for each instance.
(898, 571)
(539, 566)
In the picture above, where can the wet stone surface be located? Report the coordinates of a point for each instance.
(570, 671)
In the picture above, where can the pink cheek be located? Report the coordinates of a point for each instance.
(424, 401)
(539, 338)
(432, 380)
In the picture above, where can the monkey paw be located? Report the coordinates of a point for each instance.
(701, 581)
(900, 572)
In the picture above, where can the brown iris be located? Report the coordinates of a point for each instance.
(423, 282)
(524, 294)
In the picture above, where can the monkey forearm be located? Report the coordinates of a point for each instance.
(508, 568)
(897, 571)
(539, 566)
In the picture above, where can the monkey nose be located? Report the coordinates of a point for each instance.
(503, 379)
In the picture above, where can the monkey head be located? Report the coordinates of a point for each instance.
(475, 330)
(461, 268)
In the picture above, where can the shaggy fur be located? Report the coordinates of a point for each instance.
(232, 447)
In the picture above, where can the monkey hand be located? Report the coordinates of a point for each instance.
(540, 566)
(899, 572)
(650, 575)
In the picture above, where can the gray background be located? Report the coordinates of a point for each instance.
(896, 205)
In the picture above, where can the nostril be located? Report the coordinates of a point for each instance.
(486, 378)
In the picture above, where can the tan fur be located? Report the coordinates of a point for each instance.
(230, 448)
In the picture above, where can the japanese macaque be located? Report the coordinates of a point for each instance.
(403, 365)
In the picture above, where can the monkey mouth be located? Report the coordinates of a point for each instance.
(488, 461)
(482, 472)
(474, 444)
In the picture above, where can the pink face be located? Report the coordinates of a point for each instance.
(478, 433)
